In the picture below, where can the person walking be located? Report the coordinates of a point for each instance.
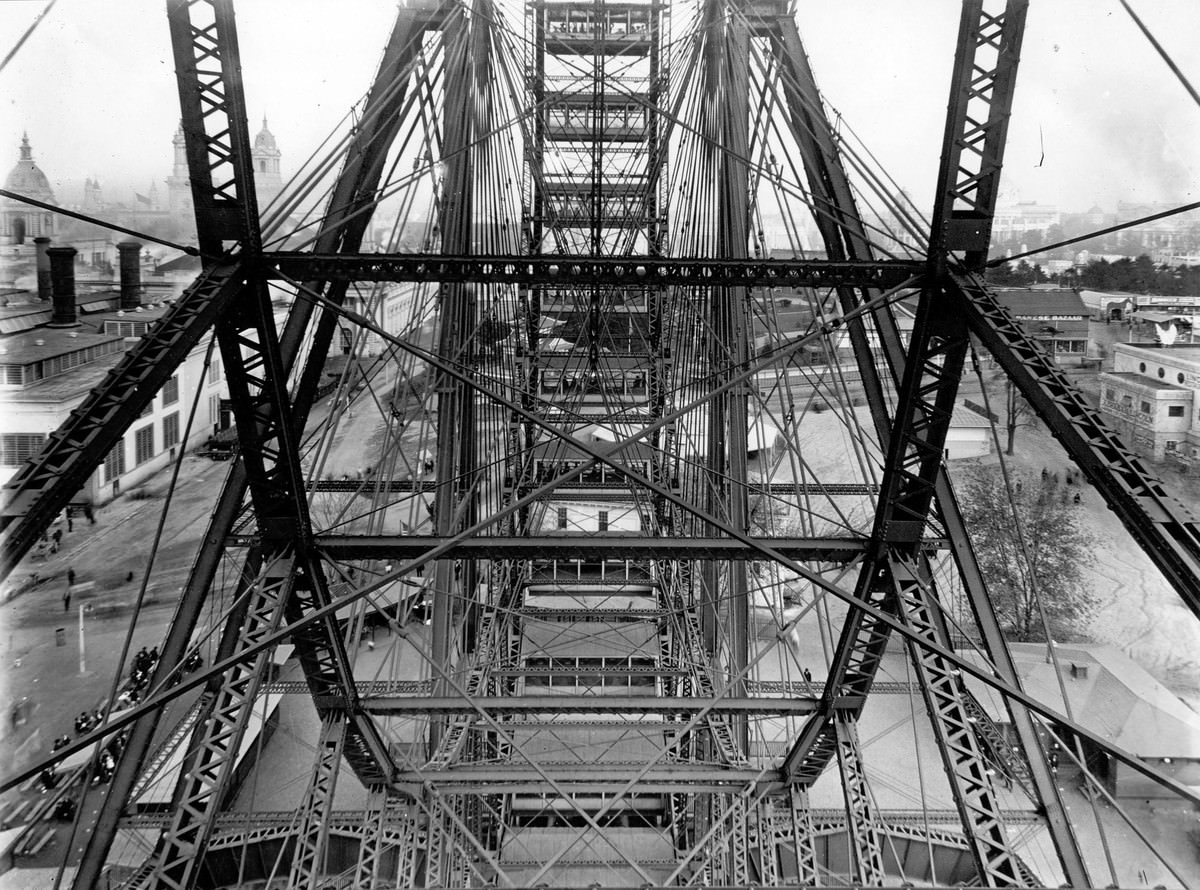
(67, 600)
(70, 577)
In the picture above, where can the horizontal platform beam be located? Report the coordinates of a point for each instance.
(578, 778)
(596, 547)
(582, 271)
(409, 705)
(385, 688)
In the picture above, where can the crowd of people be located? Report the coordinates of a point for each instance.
(143, 665)
(144, 662)
(106, 761)
(105, 765)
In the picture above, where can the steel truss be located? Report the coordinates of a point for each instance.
(637, 637)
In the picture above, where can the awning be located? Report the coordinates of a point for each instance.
(1161, 317)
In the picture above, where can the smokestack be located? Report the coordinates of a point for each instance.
(62, 285)
(131, 274)
(41, 243)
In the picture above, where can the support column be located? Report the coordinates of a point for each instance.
(866, 836)
(308, 863)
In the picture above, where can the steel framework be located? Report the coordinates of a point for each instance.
(599, 578)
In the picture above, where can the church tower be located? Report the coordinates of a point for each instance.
(268, 182)
(93, 196)
(179, 189)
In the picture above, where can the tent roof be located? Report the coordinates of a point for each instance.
(1118, 699)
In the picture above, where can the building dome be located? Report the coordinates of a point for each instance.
(268, 181)
(27, 178)
(264, 142)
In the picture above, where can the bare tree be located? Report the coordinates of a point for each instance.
(1017, 413)
(1040, 565)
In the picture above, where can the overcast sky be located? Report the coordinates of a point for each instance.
(95, 89)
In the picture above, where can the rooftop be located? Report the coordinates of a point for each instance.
(1144, 381)
(968, 418)
(34, 346)
(1114, 698)
(1186, 352)
(1027, 301)
(66, 387)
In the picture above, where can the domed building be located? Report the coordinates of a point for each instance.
(268, 181)
(19, 221)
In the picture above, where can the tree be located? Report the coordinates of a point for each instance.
(1054, 540)
(1018, 413)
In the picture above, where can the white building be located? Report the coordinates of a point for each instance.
(50, 359)
(1149, 397)
(969, 435)
(1024, 216)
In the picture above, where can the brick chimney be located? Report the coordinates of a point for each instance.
(62, 285)
(131, 273)
(41, 244)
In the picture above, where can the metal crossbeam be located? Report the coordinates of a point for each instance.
(207, 771)
(212, 115)
(415, 705)
(308, 859)
(568, 547)
(589, 271)
(981, 94)
(966, 767)
(368, 870)
(803, 837)
(579, 777)
(862, 821)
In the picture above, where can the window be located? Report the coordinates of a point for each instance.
(1172, 446)
(126, 328)
(114, 463)
(603, 520)
(1162, 372)
(170, 391)
(17, 448)
(59, 364)
(1145, 407)
(1179, 377)
(1142, 367)
(562, 517)
(171, 430)
(1175, 411)
(12, 375)
(214, 370)
(143, 445)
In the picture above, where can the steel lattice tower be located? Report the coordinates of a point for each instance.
(592, 592)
